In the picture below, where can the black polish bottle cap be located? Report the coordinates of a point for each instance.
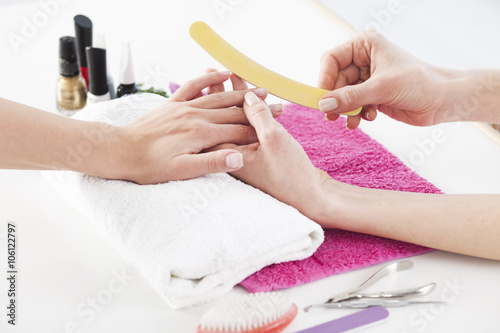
(68, 63)
(98, 75)
(83, 33)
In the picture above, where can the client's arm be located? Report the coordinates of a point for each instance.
(162, 145)
(468, 224)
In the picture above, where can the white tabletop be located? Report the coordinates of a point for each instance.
(64, 261)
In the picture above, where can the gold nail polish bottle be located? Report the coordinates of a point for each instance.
(71, 90)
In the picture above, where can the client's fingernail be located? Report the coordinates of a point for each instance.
(224, 73)
(261, 92)
(276, 108)
(367, 115)
(251, 98)
(328, 104)
(326, 117)
(234, 161)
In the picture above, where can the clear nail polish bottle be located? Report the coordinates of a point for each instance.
(127, 81)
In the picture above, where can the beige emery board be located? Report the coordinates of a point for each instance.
(255, 73)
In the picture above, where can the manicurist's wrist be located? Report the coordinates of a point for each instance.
(448, 87)
(470, 95)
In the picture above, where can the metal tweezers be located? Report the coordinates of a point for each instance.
(355, 299)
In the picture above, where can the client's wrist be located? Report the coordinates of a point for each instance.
(341, 205)
(123, 153)
(321, 202)
(112, 151)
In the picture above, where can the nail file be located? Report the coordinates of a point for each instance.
(255, 73)
(351, 321)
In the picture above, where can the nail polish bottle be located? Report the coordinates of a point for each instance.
(127, 81)
(100, 42)
(71, 90)
(98, 85)
(83, 34)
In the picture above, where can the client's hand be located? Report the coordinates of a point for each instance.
(240, 84)
(277, 164)
(165, 144)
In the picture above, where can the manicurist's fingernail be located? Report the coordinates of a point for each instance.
(234, 161)
(251, 98)
(224, 73)
(328, 104)
(261, 92)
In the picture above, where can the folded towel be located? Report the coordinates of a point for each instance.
(352, 157)
(192, 240)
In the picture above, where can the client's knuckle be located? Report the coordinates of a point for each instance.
(200, 128)
(218, 98)
(190, 82)
(270, 135)
(188, 114)
(212, 163)
(259, 110)
(243, 130)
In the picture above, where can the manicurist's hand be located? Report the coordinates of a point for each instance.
(372, 72)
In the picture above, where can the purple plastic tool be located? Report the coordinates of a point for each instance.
(364, 317)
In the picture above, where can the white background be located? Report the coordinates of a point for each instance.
(64, 261)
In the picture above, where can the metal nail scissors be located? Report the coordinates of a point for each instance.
(356, 299)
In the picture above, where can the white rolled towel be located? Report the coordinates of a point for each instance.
(192, 240)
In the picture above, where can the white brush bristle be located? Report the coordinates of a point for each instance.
(247, 312)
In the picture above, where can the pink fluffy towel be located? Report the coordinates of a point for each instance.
(352, 157)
